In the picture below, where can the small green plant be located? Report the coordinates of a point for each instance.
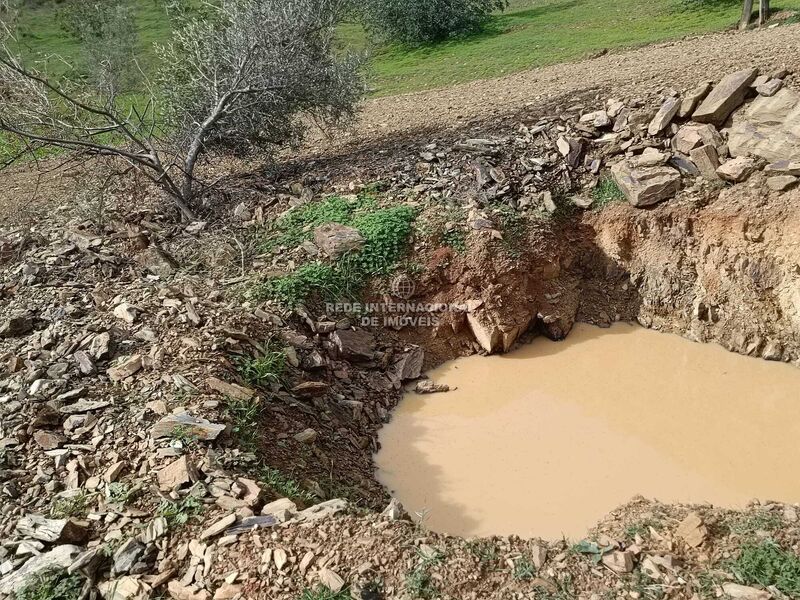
(606, 192)
(178, 513)
(183, 434)
(52, 585)
(640, 528)
(121, 493)
(456, 239)
(768, 564)
(263, 370)
(284, 486)
(750, 524)
(524, 569)
(484, 550)
(74, 505)
(297, 225)
(419, 583)
(324, 593)
(245, 415)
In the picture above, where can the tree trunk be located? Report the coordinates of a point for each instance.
(763, 12)
(747, 14)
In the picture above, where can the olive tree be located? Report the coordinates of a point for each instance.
(246, 78)
(417, 22)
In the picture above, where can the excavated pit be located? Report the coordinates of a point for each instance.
(546, 440)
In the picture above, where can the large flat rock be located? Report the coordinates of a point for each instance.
(769, 127)
(646, 186)
(726, 97)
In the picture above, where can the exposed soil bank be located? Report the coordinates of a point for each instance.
(545, 441)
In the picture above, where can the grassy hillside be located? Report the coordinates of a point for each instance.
(531, 33)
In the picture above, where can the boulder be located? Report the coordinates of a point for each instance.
(690, 137)
(646, 186)
(692, 530)
(619, 562)
(15, 327)
(57, 531)
(707, 161)
(664, 116)
(597, 119)
(727, 96)
(769, 128)
(737, 169)
(781, 183)
(354, 344)
(334, 239)
(177, 473)
(783, 167)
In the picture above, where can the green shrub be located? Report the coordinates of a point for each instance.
(768, 564)
(385, 231)
(52, 585)
(416, 22)
(245, 415)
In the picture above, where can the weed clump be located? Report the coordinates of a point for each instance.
(606, 192)
(768, 564)
(52, 585)
(385, 231)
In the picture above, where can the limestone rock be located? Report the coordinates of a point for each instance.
(690, 137)
(769, 128)
(597, 119)
(646, 186)
(195, 427)
(49, 440)
(334, 239)
(179, 591)
(727, 96)
(218, 527)
(124, 588)
(737, 169)
(354, 344)
(664, 116)
(783, 167)
(59, 557)
(394, 511)
(227, 591)
(486, 332)
(129, 366)
(331, 580)
(692, 530)
(57, 531)
(409, 365)
(707, 161)
(692, 98)
(619, 562)
(307, 436)
(126, 312)
(310, 389)
(426, 386)
(770, 87)
(177, 473)
(781, 183)
(232, 390)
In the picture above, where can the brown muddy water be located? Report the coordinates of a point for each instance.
(545, 441)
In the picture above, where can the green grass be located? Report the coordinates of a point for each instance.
(263, 370)
(768, 564)
(284, 486)
(385, 230)
(52, 585)
(531, 33)
(324, 593)
(245, 415)
(606, 192)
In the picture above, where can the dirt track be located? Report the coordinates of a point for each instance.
(680, 65)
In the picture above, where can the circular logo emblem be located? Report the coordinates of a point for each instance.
(403, 287)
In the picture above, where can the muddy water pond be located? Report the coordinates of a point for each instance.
(547, 440)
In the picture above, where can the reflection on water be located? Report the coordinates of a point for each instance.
(545, 441)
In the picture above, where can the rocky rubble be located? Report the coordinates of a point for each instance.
(121, 457)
